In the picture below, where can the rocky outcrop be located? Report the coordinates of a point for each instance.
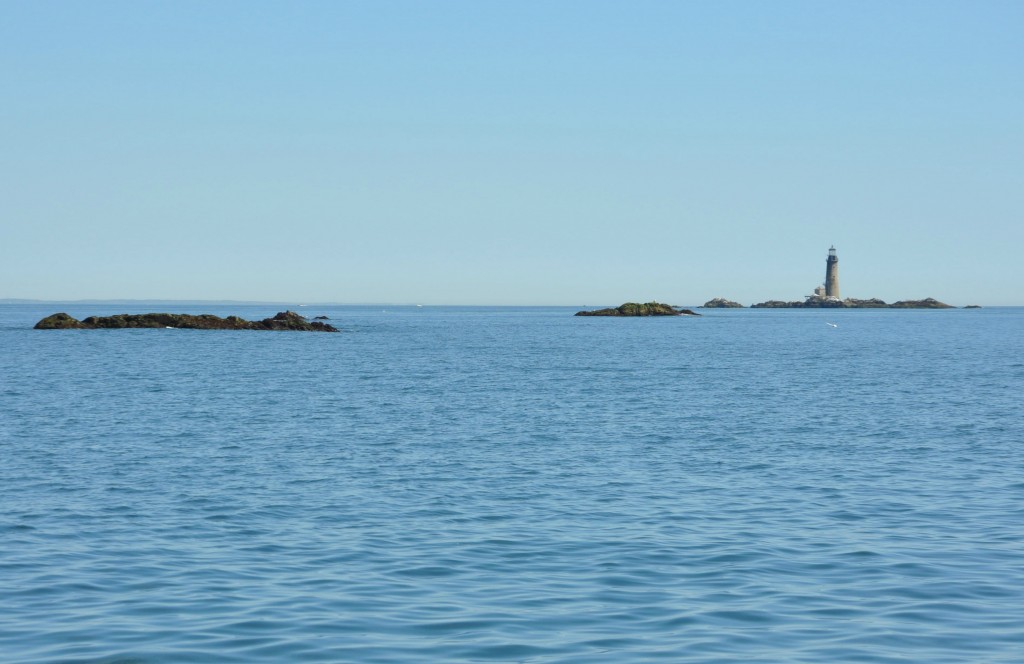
(635, 309)
(812, 302)
(821, 302)
(927, 303)
(973, 306)
(59, 321)
(873, 303)
(721, 303)
(776, 304)
(285, 320)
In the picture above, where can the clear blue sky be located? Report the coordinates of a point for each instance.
(519, 152)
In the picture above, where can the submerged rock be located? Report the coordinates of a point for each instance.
(635, 309)
(721, 303)
(285, 320)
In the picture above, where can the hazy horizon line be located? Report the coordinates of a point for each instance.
(295, 303)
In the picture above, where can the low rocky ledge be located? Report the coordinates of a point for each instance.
(927, 303)
(635, 309)
(721, 303)
(819, 302)
(285, 320)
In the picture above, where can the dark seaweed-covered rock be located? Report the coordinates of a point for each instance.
(635, 309)
(721, 303)
(60, 321)
(289, 320)
(286, 320)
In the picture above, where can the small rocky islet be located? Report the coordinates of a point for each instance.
(283, 321)
(721, 303)
(637, 309)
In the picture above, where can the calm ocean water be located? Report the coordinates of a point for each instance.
(515, 485)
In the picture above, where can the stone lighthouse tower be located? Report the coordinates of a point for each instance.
(832, 274)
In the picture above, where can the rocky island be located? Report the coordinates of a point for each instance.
(285, 320)
(827, 296)
(825, 302)
(635, 309)
(721, 303)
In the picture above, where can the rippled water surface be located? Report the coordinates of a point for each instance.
(474, 484)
